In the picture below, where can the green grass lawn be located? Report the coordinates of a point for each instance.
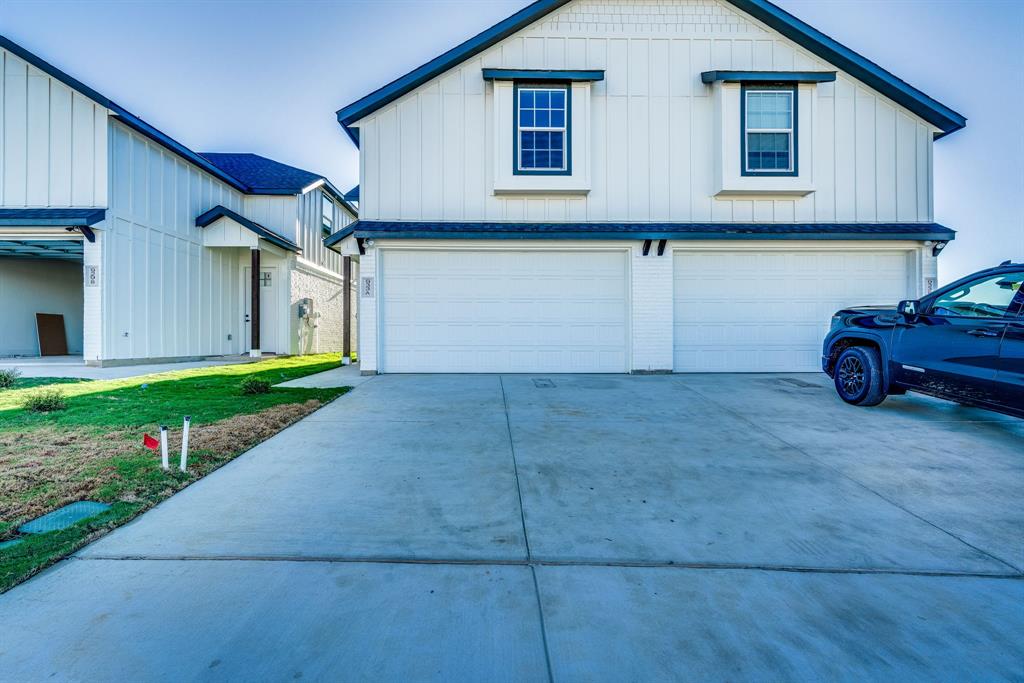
(92, 449)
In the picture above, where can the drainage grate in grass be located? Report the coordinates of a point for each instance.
(64, 517)
(543, 383)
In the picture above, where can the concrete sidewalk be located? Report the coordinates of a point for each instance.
(586, 528)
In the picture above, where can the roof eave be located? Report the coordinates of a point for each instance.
(858, 66)
(207, 218)
(36, 218)
(929, 109)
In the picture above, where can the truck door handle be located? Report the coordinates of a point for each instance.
(982, 333)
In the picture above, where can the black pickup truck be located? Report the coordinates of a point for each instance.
(963, 342)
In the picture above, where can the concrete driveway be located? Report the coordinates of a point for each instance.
(574, 528)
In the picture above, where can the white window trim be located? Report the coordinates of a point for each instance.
(790, 132)
(564, 129)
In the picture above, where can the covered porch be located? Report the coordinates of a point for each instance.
(264, 265)
(43, 282)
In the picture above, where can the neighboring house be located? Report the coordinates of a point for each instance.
(176, 246)
(646, 185)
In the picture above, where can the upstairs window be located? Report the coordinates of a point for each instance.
(769, 131)
(542, 130)
(328, 214)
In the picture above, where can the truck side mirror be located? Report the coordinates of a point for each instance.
(908, 308)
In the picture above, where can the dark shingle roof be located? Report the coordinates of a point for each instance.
(263, 175)
(352, 195)
(641, 231)
(266, 176)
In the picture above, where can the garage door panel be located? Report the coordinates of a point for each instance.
(483, 311)
(769, 312)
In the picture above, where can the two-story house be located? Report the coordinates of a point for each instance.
(147, 250)
(637, 185)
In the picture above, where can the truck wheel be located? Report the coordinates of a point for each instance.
(858, 376)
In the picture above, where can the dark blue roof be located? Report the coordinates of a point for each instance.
(263, 175)
(266, 176)
(861, 68)
(65, 218)
(353, 194)
(219, 212)
(642, 231)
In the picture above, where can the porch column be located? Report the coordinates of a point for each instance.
(346, 334)
(254, 302)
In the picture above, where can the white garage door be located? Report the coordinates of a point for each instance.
(770, 311)
(504, 311)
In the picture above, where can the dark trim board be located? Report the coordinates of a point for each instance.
(540, 75)
(931, 110)
(64, 218)
(643, 231)
(768, 76)
(218, 212)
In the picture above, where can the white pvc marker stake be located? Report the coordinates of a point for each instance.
(163, 447)
(184, 443)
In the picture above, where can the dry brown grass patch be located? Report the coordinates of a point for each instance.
(45, 468)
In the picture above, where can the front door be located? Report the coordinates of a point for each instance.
(268, 308)
(952, 347)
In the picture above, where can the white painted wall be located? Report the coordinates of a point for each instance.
(429, 155)
(164, 294)
(275, 212)
(53, 141)
(28, 287)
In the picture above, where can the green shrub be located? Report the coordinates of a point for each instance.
(254, 385)
(46, 401)
(8, 376)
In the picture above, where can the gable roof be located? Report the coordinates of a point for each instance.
(218, 212)
(934, 112)
(276, 180)
(266, 176)
(120, 113)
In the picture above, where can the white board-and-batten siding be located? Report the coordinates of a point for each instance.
(164, 294)
(53, 141)
(429, 155)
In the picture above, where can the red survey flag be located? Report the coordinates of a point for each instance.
(149, 442)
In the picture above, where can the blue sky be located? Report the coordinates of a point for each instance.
(266, 77)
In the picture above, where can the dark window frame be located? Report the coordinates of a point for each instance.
(794, 135)
(565, 86)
